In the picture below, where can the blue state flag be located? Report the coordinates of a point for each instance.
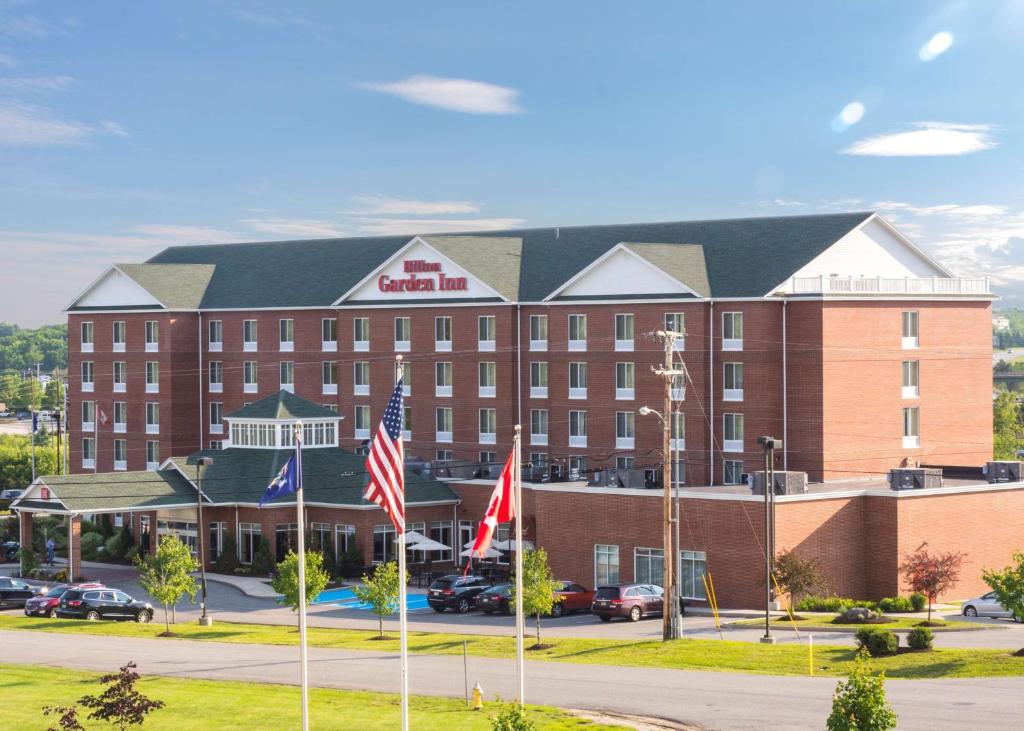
(286, 482)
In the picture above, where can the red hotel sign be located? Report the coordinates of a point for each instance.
(435, 282)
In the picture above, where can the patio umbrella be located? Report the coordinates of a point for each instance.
(510, 545)
(489, 553)
(428, 544)
(412, 537)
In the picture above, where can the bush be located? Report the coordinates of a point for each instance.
(262, 562)
(878, 642)
(859, 703)
(90, 545)
(896, 605)
(61, 576)
(831, 604)
(920, 638)
(29, 562)
(918, 601)
(112, 546)
(512, 718)
(227, 559)
(351, 563)
(132, 553)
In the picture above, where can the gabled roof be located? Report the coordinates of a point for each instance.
(283, 405)
(495, 260)
(177, 286)
(684, 262)
(106, 491)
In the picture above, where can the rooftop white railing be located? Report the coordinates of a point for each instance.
(889, 285)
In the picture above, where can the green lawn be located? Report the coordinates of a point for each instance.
(748, 657)
(822, 621)
(208, 704)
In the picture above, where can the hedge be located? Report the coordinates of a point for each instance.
(832, 604)
(920, 638)
(878, 642)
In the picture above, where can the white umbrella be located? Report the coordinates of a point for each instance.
(489, 553)
(428, 544)
(412, 537)
(510, 545)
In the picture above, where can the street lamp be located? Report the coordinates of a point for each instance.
(770, 444)
(205, 620)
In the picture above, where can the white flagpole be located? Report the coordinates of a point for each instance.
(517, 482)
(302, 576)
(403, 641)
(35, 420)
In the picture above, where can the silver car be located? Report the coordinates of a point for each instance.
(987, 606)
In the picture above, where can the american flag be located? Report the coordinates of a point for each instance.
(386, 463)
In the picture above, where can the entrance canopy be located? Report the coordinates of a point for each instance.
(120, 492)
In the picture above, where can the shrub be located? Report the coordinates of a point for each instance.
(920, 638)
(29, 562)
(859, 702)
(351, 563)
(112, 546)
(877, 642)
(896, 604)
(918, 601)
(512, 718)
(90, 545)
(61, 576)
(262, 560)
(799, 576)
(132, 553)
(227, 559)
(831, 604)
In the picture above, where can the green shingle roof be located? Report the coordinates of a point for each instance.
(119, 490)
(744, 257)
(177, 286)
(283, 405)
(683, 262)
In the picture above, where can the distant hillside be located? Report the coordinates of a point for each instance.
(23, 348)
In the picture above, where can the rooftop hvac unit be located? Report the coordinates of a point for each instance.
(915, 478)
(786, 483)
(1002, 471)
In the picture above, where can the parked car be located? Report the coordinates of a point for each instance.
(7, 497)
(23, 415)
(496, 599)
(571, 597)
(45, 605)
(9, 550)
(632, 601)
(987, 605)
(456, 592)
(15, 592)
(94, 604)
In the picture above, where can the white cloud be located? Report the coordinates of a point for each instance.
(383, 205)
(410, 226)
(175, 234)
(36, 84)
(272, 21)
(927, 139)
(459, 95)
(295, 227)
(24, 125)
(848, 116)
(937, 45)
(114, 129)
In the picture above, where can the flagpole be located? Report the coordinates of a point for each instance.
(517, 482)
(33, 437)
(403, 639)
(302, 576)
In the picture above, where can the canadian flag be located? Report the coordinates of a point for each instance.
(501, 509)
(103, 417)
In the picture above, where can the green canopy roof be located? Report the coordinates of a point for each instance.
(283, 405)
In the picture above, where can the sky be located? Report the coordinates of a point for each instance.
(129, 127)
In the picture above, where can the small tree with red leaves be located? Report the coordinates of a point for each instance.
(931, 574)
(120, 704)
(68, 720)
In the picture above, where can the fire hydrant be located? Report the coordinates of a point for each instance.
(478, 698)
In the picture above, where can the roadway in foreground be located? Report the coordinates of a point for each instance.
(714, 700)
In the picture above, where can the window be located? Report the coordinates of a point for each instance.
(403, 334)
(911, 377)
(216, 369)
(539, 427)
(577, 380)
(249, 376)
(488, 379)
(910, 330)
(217, 444)
(216, 417)
(248, 538)
(486, 329)
(360, 333)
(88, 415)
(361, 378)
(443, 334)
(678, 388)
(329, 334)
(152, 336)
(249, 333)
(120, 376)
(152, 417)
(732, 331)
(120, 417)
(88, 372)
(443, 455)
(675, 322)
(152, 454)
(577, 466)
(678, 442)
(732, 382)
(538, 332)
(693, 565)
(119, 336)
(624, 381)
(287, 373)
(329, 377)
(911, 428)
(89, 453)
(577, 428)
(538, 380)
(406, 378)
(152, 377)
(286, 332)
(577, 332)
(649, 566)
(362, 422)
(216, 333)
(320, 538)
(444, 424)
(87, 337)
(217, 532)
(624, 332)
(488, 426)
(384, 543)
(625, 430)
(344, 540)
(733, 433)
(406, 422)
(606, 565)
(443, 379)
(467, 533)
(120, 455)
(624, 463)
(441, 531)
(732, 472)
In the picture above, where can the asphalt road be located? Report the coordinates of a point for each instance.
(721, 701)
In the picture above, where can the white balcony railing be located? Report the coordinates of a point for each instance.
(889, 285)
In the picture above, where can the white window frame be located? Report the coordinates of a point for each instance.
(120, 376)
(88, 342)
(625, 430)
(88, 370)
(445, 437)
(606, 551)
(538, 343)
(539, 420)
(286, 327)
(911, 427)
(152, 450)
(120, 451)
(152, 336)
(443, 334)
(732, 375)
(577, 417)
(491, 390)
(671, 325)
(407, 423)
(537, 369)
(628, 322)
(152, 417)
(152, 376)
(361, 421)
(625, 381)
(736, 467)
(577, 344)
(486, 345)
(250, 345)
(88, 447)
(329, 378)
(578, 392)
(119, 344)
(215, 386)
(250, 368)
(691, 561)
(360, 385)
(328, 344)
(733, 423)
(488, 421)
(289, 366)
(88, 416)
(651, 557)
(911, 375)
(910, 325)
(216, 417)
(215, 327)
(732, 342)
(443, 390)
(406, 378)
(677, 443)
(121, 426)
(403, 346)
(360, 345)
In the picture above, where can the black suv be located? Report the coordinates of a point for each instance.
(455, 592)
(15, 592)
(93, 604)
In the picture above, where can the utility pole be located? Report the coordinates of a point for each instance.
(770, 444)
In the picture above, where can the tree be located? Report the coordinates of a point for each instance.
(538, 586)
(16, 460)
(1008, 585)
(120, 704)
(227, 559)
(1007, 431)
(262, 560)
(931, 575)
(799, 576)
(287, 580)
(380, 591)
(859, 702)
(166, 574)
(68, 720)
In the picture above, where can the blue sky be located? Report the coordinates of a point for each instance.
(126, 127)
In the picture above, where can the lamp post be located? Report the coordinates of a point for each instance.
(205, 620)
(770, 444)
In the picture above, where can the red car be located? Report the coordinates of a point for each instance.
(45, 605)
(570, 597)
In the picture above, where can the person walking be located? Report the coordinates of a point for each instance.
(50, 550)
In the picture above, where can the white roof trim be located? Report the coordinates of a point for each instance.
(108, 270)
